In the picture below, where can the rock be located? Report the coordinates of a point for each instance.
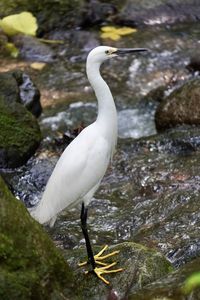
(33, 268)
(141, 266)
(33, 49)
(194, 64)
(96, 12)
(182, 140)
(156, 193)
(29, 95)
(20, 133)
(17, 86)
(180, 107)
(170, 287)
(30, 265)
(155, 95)
(137, 12)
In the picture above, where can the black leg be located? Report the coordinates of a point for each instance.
(86, 236)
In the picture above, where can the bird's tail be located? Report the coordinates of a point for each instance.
(35, 213)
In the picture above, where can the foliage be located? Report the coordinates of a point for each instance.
(10, 47)
(191, 283)
(37, 66)
(115, 33)
(24, 23)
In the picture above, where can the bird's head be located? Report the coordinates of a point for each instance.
(102, 53)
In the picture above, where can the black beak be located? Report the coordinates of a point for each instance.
(122, 51)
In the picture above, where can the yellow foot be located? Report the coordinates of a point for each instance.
(105, 269)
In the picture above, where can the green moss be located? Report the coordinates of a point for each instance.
(18, 128)
(20, 133)
(31, 267)
(140, 264)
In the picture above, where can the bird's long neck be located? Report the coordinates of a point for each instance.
(107, 115)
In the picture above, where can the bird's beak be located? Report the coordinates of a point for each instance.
(123, 51)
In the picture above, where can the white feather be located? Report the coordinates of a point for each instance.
(82, 165)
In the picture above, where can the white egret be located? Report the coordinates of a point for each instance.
(81, 167)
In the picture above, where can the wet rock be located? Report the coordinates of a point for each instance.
(171, 287)
(158, 12)
(194, 64)
(156, 193)
(155, 95)
(141, 266)
(20, 133)
(96, 12)
(29, 95)
(30, 264)
(33, 49)
(150, 195)
(183, 140)
(17, 86)
(180, 107)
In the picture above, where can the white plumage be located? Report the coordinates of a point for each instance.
(81, 167)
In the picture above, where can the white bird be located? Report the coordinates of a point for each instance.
(81, 167)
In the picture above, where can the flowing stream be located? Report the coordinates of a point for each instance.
(135, 200)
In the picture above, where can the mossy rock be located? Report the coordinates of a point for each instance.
(141, 265)
(180, 107)
(20, 133)
(31, 267)
(171, 287)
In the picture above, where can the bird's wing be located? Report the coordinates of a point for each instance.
(81, 166)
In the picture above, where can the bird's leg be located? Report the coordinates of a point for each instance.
(96, 259)
(90, 254)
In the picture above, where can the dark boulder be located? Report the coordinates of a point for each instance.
(20, 133)
(29, 95)
(182, 106)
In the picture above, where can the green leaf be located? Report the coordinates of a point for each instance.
(10, 47)
(191, 283)
(24, 23)
(51, 41)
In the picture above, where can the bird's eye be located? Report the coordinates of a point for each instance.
(107, 52)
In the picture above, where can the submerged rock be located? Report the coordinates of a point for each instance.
(140, 265)
(20, 133)
(30, 265)
(180, 107)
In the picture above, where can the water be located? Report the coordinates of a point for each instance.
(151, 192)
